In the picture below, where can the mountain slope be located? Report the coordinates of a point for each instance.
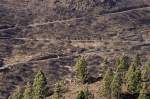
(51, 34)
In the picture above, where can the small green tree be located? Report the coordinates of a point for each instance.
(17, 94)
(39, 86)
(134, 81)
(105, 88)
(58, 91)
(122, 64)
(133, 76)
(146, 72)
(85, 93)
(81, 70)
(88, 94)
(27, 92)
(81, 95)
(135, 65)
(116, 85)
(143, 92)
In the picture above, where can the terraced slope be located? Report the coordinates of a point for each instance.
(51, 34)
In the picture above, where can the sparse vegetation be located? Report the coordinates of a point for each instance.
(69, 29)
(110, 86)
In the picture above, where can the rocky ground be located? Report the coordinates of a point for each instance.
(51, 34)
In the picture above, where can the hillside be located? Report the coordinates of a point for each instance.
(51, 34)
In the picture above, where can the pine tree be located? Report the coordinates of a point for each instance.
(84, 93)
(135, 65)
(58, 91)
(122, 64)
(17, 94)
(81, 70)
(129, 72)
(133, 76)
(39, 86)
(116, 85)
(27, 92)
(134, 81)
(105, 88)
(143, 92)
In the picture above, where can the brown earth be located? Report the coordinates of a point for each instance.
(51, 34)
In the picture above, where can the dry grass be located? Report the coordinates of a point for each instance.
(18, 58)
(73, 90)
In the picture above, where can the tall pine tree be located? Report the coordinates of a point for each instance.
(122, 66)
(81, 70)
(134, 81)
(116, 85)
(39, 86)
(135, 64)
(105, 88)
